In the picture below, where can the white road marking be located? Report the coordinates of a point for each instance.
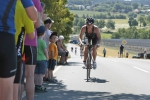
(141, 69)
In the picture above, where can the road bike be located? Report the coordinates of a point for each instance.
(89, 64)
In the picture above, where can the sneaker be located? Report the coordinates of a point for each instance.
(94, 65)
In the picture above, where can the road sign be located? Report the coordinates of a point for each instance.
(124, 42)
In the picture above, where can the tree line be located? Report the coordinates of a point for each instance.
(132, 33)
(105, 16)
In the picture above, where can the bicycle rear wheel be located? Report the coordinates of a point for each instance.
(88, 67)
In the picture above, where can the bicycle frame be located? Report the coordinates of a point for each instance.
(89, 59)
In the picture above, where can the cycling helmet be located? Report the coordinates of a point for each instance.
(89, 20)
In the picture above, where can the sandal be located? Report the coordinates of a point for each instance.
(40, 89)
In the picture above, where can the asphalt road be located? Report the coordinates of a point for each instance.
(114, 79)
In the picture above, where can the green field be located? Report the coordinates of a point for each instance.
(105, 36)
(91, 13)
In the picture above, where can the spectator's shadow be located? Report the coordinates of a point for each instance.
(59, 91)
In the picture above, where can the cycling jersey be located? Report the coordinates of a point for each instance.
(91, 36)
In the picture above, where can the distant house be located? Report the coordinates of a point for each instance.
(80, 6)
(88, 7)
(146, 5)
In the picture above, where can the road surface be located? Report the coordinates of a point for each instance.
(114, 79)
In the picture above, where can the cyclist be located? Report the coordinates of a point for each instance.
(71, 49)
(91, 33)
(75, 50)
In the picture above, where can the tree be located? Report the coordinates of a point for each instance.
(110, 24)
(140, 19)
(144, 23)
(81, 22)
(101, 23)
(63, 18)
(135, 5)
(134, 22)
(148, 18)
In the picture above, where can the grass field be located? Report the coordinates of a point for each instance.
(119, 23)
(105, 36)
(110, 52)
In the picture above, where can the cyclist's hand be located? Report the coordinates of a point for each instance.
(80, 44)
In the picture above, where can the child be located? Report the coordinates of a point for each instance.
(41, 64)
(53, 54)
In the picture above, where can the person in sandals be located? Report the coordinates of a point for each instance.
(41, 64)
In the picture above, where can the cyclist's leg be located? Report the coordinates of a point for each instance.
(85, 54)
(94, 53)
(94, 42)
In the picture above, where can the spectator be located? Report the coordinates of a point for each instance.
(121, 51)
(31, 55)
(127, 54)
(62, 51)
(48, 23)
(42, 58)
(8, 58)
(104, 52)
(52, 56)
(145, 55)
(23, 26)
(75, 50)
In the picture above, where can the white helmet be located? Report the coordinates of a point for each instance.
(61, 37)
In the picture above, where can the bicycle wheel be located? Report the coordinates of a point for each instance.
(88, 66)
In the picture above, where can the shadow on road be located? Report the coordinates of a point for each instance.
(58, 91)
(97, 80)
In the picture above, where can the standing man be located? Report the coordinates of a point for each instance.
(104, 52)
(121, 51)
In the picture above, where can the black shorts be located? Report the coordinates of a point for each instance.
(8, 56)
(52, 64)
(94, 40)
(19, 70)
(30, 55)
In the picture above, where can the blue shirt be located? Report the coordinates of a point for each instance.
(7, 13)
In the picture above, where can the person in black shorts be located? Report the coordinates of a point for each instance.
(8, 55)
(92, 33)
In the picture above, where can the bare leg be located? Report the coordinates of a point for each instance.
(15, 91)
(85, 53)
(62, 59)
(94, 53)
(21, 89)
(40, 80)
(29, 74)
(46, 74)
(36, 79)
(49, 74)
(6, 88)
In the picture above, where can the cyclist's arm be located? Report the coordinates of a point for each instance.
(82, 31)
(98, 35)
